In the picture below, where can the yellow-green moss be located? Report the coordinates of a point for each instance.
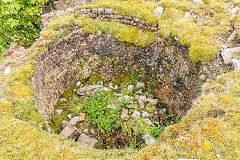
(120, 31)
(211, 127)
(124, 79)
(94, 79)
(55, 123)
(173, 23)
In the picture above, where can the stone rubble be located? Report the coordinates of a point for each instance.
(74, 120)
(227, 54)
(106, 14)
(59, 112)
(139, 85)
(86, 90)
(7, 70)
(145, 114)
(70, 132)
(187, 15)
(158, 11)
(236, 63)
(198, 1)
(136, 114)
(140, 100)
(148, 139)
(64, 124)
(87, 141)
(148, 122)
(130, 87)
(152, 101)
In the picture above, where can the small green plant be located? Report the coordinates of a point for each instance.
(135, 141)
(76, 71)
(135, 78)
(169, 65)
(150, 91)
(171, 116)
(126, 69)
(107, 59)
(100, 114)
(81, 64)
(156, 131)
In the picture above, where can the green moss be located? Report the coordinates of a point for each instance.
(120, 31)
(94, 79)
(123, 79)
(68, 93)
(150, 109)
(55, 123)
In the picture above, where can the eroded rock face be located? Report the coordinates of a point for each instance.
(79, 56)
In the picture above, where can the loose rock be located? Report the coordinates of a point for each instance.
(7, 70)
(141, 104)
(110, 85)
(112, 106)
(159, 11)
(87, 141)
(148, 139)
(64, 124)
(198, 1)
(142, 99)
(58, 112)
(145, 114)
(74, 120)
(70, 132)
(63, 99)
(232, 37)
(234, 11)
(140, 85)
(86, 90)
(78, 83)
(69, 116)
(152, 101)
(139, 92)
(130, 87)
(228, 53)
(162, 111)
(148, 122)
(136, 114)
(236, 64)
(124, 116)
(187, 15)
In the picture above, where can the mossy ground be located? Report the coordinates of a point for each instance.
(210, 128)
(212, 20)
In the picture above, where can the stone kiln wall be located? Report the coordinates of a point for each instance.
(78, 56)
(106, 14)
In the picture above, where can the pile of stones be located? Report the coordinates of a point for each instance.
(141, 104)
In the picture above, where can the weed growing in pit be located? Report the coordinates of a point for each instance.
(135, 138)
(134, 78)
(98, 112)
(156, 131)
